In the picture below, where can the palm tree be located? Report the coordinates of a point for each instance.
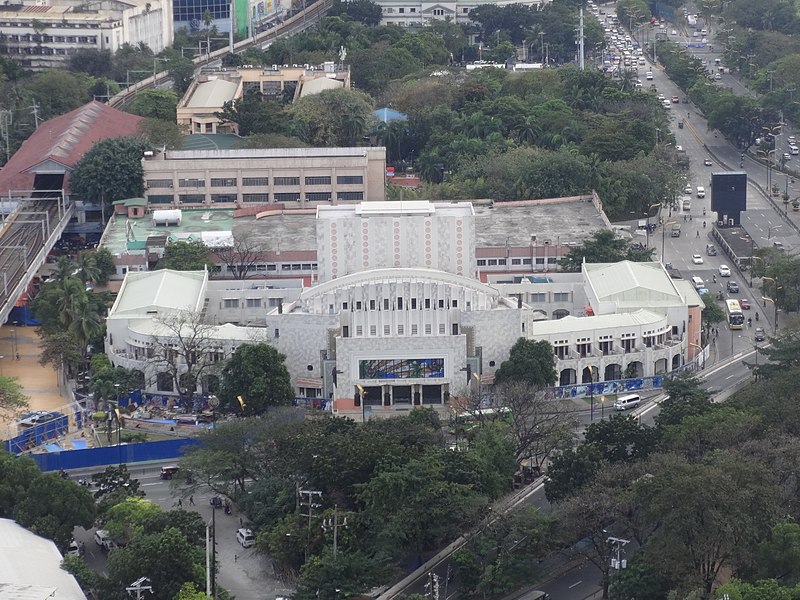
(86, 266)
(65, 269)
(354, 125)
(528, 131)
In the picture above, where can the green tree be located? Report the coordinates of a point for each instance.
(416, 505)
(332, 118)
(189, 591)
(254, 114)
(125, 519)
(351, 573)
(257, 373)
(620, 438)
(569, 471)
(363, 11)
(685, 397)
(531, 362)
(83, 574)
(603, 247)
(111, 170)
(105, 265)
(712, 312)
(16, 476)
(158, 133)
(58, 92)
(168, 558)
(86, 267)
(53, 507)
(97, 63)
(12, 399)
(779, 555)
(783, 353)
(183, 255)
(155, 104)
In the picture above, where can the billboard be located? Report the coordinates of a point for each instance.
(264, 9)
(401, 368)
(729, 196)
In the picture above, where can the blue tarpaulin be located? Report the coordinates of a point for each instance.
(387, 115)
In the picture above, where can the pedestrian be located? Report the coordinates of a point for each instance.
(17, 355)
(235, 557)
(180, 503)
(698, 233)
(241, 524)
(191, 500)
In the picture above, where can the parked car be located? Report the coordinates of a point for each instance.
(245, 537)
(733, 287)
(648, 76)
(707, 162)
(675, 100)
(760, 334)
(724, 271)
(745, 304)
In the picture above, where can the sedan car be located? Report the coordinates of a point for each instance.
(697, 259)
(707, 162)
(688, 189)
(676, 100)
(648, 76)
(760, 335)
(724, 271)
(745, 304)
(733, 287)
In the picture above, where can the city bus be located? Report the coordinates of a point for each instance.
(469, 420)
(735, 315)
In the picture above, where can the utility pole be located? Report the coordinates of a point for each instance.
(619, 563)
(6, 118)
(432, 586)
(138, 587)
(580, 42)
(35, 110)
(310, 499)
(334, 524)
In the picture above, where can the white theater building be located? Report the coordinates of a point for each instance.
(399, 315)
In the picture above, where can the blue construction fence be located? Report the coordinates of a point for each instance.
(42, 433)
(112, 455)
(601, 388)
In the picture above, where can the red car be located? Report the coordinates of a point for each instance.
(745, 304)
(675, 100)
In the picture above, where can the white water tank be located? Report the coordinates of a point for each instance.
(167, 217)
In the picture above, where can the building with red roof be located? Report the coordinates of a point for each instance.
(46, 158)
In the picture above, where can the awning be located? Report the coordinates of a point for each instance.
(309, 382)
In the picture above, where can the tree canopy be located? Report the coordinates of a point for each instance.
(111, 170)
(531, 362)
(257, 373)
(192, 255)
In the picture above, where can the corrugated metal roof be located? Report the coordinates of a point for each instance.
(212, 94)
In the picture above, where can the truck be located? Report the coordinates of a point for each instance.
(676, 230)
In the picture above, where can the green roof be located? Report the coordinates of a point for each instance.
(131, 202)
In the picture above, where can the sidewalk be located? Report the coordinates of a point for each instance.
(39, 383)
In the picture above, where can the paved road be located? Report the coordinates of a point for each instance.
(241, 571)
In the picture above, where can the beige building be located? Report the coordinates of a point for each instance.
(42, 34)
(213, 88)
(415, 13)
(293, 177)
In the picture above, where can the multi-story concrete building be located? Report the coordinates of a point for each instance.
(411, 13)
(289, 176)
(212, 88)
(42, 35)
(397, 316)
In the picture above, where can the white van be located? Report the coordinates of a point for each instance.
(701, 191)
(698, 283)
(794, 150)
(626, 402)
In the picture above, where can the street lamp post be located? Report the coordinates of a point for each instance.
(213, 404)
(360, 390)
(750, 239)
(773, 300)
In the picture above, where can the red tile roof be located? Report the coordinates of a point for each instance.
(65, 139)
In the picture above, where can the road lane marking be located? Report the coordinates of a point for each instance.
(576, 584)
